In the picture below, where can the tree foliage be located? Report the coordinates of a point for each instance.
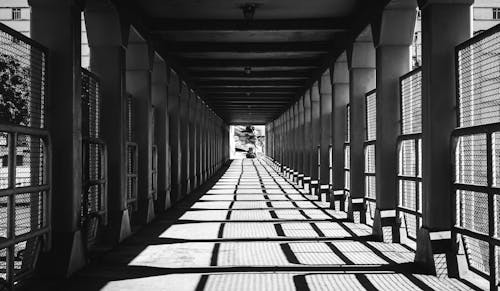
(14, 91)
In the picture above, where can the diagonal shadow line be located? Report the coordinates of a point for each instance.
(339, 254)
(289, 254)
(202, 283)
(300, 283)
(363, 280)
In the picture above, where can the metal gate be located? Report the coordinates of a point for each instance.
(410, 153)
(24, 156)
(369, 151)
(477, 153)
(94, 192)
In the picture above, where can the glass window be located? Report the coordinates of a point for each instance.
(16, 13)
(496, 13)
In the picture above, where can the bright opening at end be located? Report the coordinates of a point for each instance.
(247, 141)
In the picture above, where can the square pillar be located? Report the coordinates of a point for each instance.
(445, 24)
(184, 138)
(159, 90)
(361, 61)
(394, 35)
(300, 141)
(174, 137)
(56, 25)
(315, 139)
(139, 65)
(107, 60)
(326, 139)
(339, 103)
(307, 140)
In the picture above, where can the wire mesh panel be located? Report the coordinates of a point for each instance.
(24, 160)
(477, 152)
(154, 172)
(347, 151)
(410, 152)
(93, 207)
(369, 152)
(132, 157)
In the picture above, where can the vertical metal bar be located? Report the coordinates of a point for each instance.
(491, 211)
(11, 142)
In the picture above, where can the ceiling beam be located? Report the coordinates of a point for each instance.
(161, 25)
(258, 74)
(242, 47)
(253, 63)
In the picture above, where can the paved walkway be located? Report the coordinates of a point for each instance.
(254, 230)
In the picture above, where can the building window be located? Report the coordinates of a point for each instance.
(16, 13)
(496, 13)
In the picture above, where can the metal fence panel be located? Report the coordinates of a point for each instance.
(477, 152)
(410, 152)
(24, 155)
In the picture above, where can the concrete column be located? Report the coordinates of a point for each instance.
(326, 132)
(393, 33)
(300, 141)
(339, 102)
(445, 24)
(315, 138)
(160, 93)
(210, 142)
(184, 136)
(139, 66)
(199, 141)
(56, 25)
(174, 138)
(107, 37)
(307, 140)
(361, 61)
(286, 141)
(192, 140)
(296, 142)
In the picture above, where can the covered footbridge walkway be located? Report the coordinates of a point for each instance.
(378, 172)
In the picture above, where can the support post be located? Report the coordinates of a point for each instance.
(56, 24)
(393, 34)
(361, 61)
(339, 102)
(326, 139)
(445, 24)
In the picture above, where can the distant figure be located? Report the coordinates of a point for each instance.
(250, 153)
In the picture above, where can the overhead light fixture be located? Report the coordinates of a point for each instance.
(249, 10)
(248, 94)
(248, 70)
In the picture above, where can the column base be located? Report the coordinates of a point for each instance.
(438, 254)
(386, 226)
(337, 197)
(147, 212)
(195, 182)
(356, 211)
(168, 202)
(324, 190)
(295, 177)
(307, 184)
(66, 257)
(187, 187)
(300, 180)
(314, 188)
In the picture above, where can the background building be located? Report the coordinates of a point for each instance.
(16, 14)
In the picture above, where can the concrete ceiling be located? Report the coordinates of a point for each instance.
(287, 46)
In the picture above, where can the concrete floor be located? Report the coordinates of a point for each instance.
(253, 230)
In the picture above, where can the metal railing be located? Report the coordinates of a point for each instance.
(25, 155)
(477, 153)
(369, 151)
(94, 184)
(410, 152)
